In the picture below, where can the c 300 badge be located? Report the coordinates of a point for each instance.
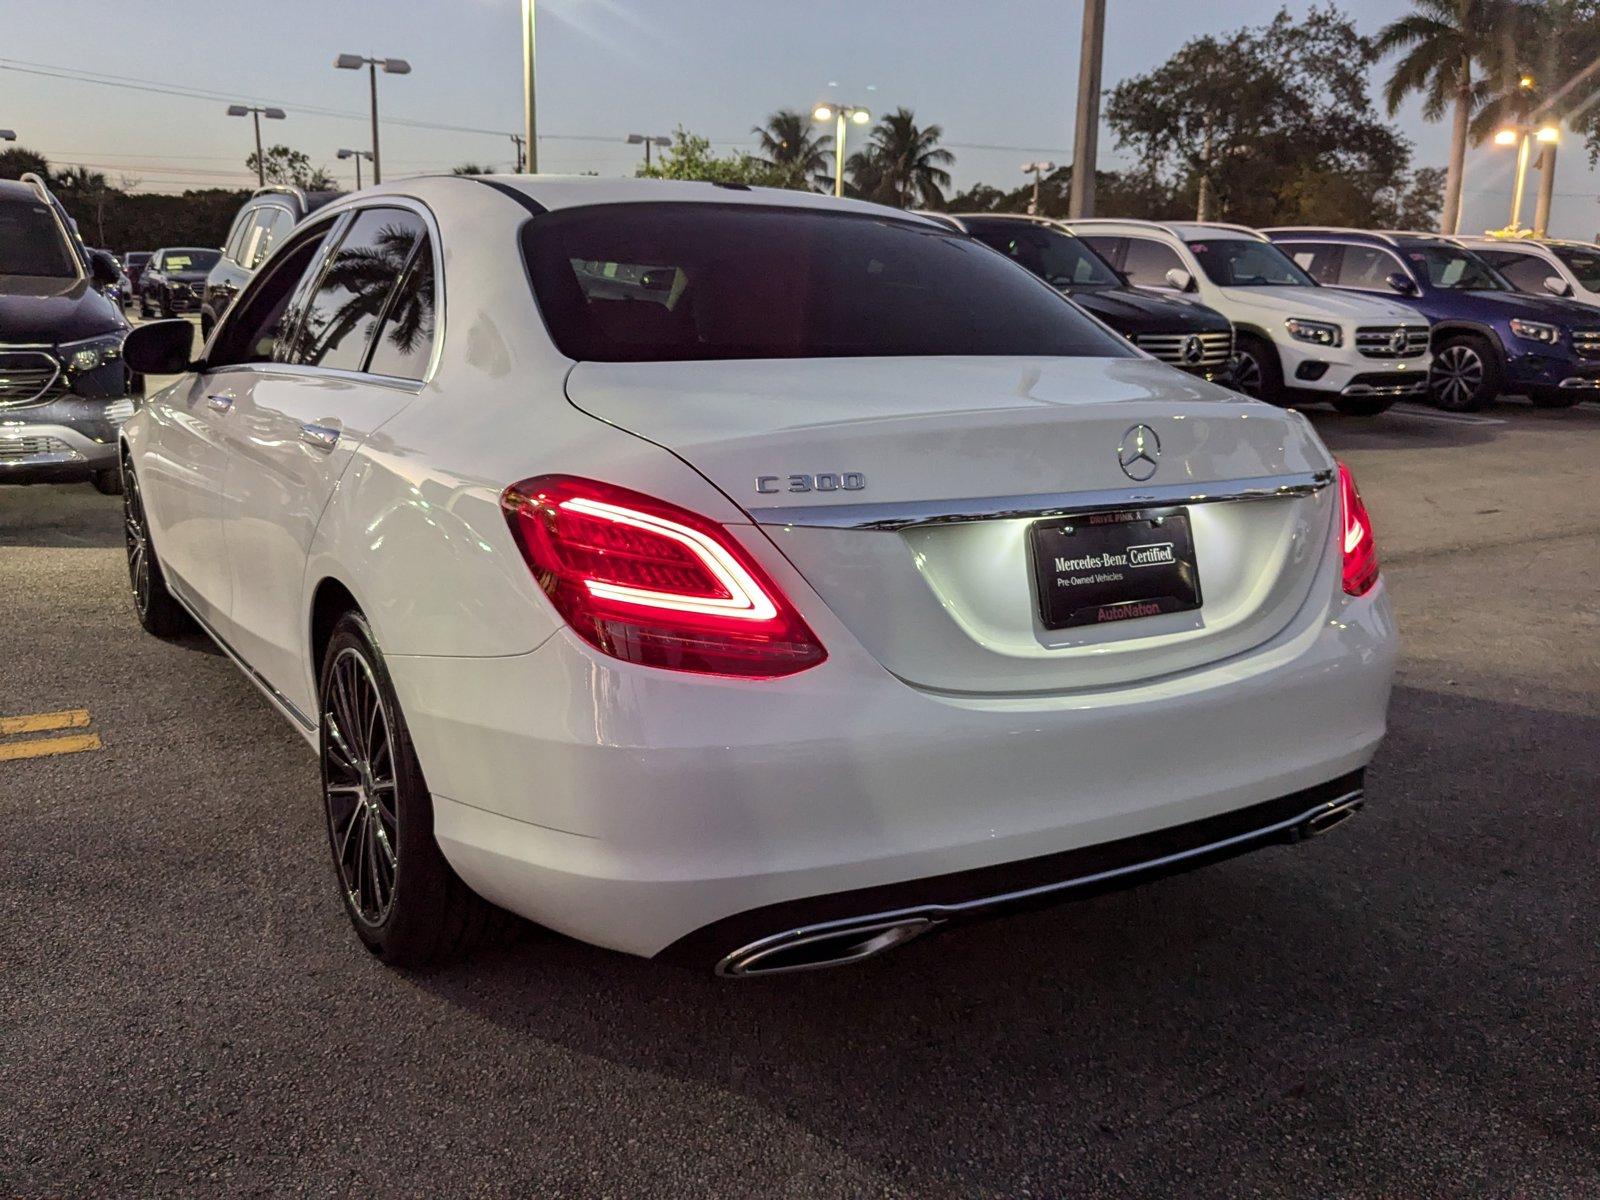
(823, 481)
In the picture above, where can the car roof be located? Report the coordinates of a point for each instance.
(1359, 237)
(1184, 231)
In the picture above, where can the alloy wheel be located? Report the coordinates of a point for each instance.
(1457, 375)
(358, 781)
(1247, 375)
(138, 539)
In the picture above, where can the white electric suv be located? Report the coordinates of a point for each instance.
(746, 577)
(1295, 339)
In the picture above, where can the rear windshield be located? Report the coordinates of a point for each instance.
(674, 281)
(31, 241)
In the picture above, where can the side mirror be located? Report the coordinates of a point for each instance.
(1399, 281)
(1179, 278)
(1557, 286)
(160, 347)
(103, 269)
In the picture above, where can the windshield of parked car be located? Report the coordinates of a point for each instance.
(32, 242)
(190, 260)
(1244, 262)
(672, 281)
(1058, 258)
(1584, 265)
(1452, 269)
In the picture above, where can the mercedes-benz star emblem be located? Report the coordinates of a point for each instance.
(1193, 349)
(1397, 341)
(1138, 453)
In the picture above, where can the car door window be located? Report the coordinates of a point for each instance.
(339, 319)
(1146, 263)
(251, 332)
(1320, 260)
(404, 344)
(1364, 267)
(1527, 272)
(239, 236)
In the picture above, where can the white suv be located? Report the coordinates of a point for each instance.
(1545, 267)
(1294, 336)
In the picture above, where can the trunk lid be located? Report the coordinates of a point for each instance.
(951, 604)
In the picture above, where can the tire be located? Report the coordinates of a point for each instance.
(1465, 374)
(1259, 372)
(1557, 398)
(164, 306)
(158, 612)
(1362, 406)
(405, 903)
(108, 482)
(144, 306)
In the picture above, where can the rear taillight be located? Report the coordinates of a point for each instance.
(1358, 548)
(655, 584)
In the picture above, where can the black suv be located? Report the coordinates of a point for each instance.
(173, 279)
(1184, 333)
(263, 222)
(64, 388)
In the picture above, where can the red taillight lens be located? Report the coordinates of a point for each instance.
(1357, 546)
(652, 583)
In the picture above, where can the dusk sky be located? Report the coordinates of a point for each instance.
(1000, 78)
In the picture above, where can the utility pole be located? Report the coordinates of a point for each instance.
(1086, 136)
(529, 124)
(516, 140)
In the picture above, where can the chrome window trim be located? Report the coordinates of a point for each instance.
(910, 513)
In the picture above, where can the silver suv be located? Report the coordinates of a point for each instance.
(64, 389)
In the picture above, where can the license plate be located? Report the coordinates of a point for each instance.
(1099, 568)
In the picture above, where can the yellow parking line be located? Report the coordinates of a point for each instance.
(42, 747)
(72, 718)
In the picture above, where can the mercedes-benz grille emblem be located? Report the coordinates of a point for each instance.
(1397, 341)
(1138, 452)
(1193, 349)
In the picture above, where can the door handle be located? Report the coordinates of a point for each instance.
(220, 403)
(319, 437)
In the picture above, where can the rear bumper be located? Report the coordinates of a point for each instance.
(631, 808)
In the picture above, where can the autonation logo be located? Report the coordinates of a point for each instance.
(1157, 554)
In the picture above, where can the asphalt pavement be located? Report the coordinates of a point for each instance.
(1405, 1008)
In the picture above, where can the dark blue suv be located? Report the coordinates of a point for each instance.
(1488, 337)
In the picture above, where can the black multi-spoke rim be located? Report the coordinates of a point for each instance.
(1247, 376)
(138, 539)
(359, 786)
(1457, 376)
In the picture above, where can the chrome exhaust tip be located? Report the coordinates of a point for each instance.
(1336, 813)
(820, 946)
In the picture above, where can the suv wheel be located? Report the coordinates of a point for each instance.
(1258, 373)
(406, 904)
(1465, 374)
(158, 612)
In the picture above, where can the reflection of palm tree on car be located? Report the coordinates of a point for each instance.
(365, 275)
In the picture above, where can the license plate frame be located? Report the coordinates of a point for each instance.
(1116, 565)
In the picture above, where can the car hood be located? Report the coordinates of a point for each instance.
(1321, 302)
(34, 309)
(1130, 312)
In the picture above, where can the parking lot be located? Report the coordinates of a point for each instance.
(1404, 1008)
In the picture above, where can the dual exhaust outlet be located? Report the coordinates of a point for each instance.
(839, 943)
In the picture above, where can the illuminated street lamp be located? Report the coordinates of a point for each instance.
(824, 113)
(1038, 169)
(358, 155)
(250, 110)
(636, 139)
(391, 66)
(1522, 137)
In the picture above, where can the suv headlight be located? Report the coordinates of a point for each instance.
(1536, 331)
(1318, 333)
(92, 352)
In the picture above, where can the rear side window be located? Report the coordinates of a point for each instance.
(405, 342)
(275, 224)
(1527, 272)
(1147, 263)
(340, 317)
(1584, 264)
(655, 282)
(242, 230)
(1059, 259)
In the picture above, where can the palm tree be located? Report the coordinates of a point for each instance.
(790, 145)
(902, 164)
(1442, 41)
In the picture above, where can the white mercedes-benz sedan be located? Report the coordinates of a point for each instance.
(745, 577)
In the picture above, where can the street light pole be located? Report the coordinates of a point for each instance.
(529, 124)
(1038, 169)
(391, 66)
(1523, 137)
(377, 161)
(824, 113)
(251, 110)
(1086, 135)
(635, 139)
(358, 155)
